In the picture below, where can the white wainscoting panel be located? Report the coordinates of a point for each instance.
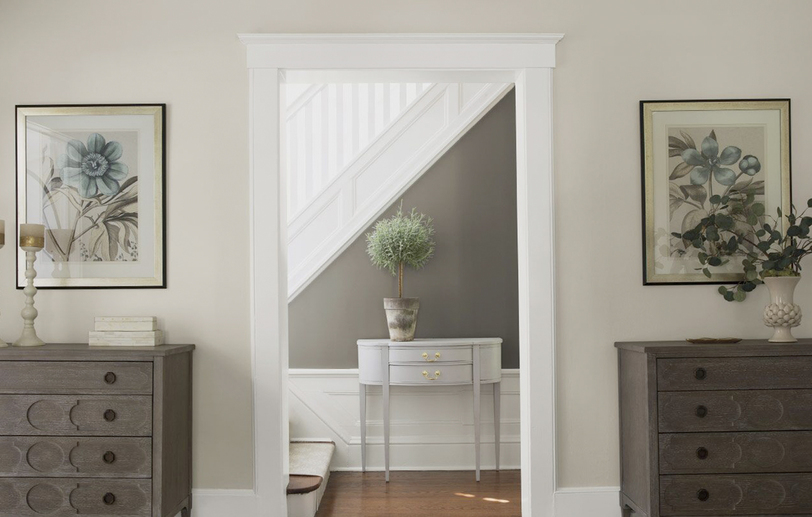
(432, 428)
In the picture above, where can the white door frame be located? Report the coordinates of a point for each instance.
(527, 60)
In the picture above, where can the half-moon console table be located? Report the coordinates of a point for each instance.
(430, 362)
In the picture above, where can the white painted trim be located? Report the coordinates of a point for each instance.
(587, 502)
(531, 58)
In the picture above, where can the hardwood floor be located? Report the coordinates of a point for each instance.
(413, 494)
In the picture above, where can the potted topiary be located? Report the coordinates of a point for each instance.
(402, 240)
(736, 226)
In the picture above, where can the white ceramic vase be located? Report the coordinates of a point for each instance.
(782, 313)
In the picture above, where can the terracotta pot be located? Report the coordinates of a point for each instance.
(782, 314)
(401, 315)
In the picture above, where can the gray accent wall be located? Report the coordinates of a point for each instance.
(469, 289)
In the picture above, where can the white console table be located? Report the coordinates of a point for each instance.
(430, 362)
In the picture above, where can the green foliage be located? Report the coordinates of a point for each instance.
(745, 231)
(403, 239)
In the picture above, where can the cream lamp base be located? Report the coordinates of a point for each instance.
(29, 313)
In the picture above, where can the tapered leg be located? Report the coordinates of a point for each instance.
(497, 423)
(477, 389)
(363, 396)
(385, 366)
(185, 512)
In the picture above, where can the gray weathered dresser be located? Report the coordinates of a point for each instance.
(95, 431)
(716, 430)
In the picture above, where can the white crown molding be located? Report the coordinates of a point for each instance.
(404, 39)
(400, 51)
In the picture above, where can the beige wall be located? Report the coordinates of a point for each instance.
(185, 53)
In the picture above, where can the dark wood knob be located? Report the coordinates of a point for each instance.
(109, 457)
(702, 453)
(703, 495)
(700, 374)
(701, 411)
(109, 499)
(109, 415)
(110, 378)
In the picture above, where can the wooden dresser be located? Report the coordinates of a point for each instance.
(716, 430)
(96, 431)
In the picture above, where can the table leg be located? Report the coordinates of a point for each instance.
(363, 395)
(497, 421)
(477, 389)
(385, 385)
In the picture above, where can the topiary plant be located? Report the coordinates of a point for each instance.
(403, 239)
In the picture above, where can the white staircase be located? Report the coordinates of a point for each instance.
(353, 149)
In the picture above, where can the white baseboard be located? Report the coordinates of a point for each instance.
(221, 503)
(587, 502)
(569, 502)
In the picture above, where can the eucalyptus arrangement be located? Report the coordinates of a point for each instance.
(737, 226)
(399, 241)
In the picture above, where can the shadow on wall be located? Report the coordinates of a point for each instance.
(469, 288)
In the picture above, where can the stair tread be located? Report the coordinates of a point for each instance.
(303, 484)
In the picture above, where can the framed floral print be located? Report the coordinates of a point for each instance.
(93, 175)
(699, 157)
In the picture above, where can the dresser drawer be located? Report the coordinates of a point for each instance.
(743, 494)
(75, 377)
(734, 373)
(75, 415)
(33, 497)
(415, 375)
(430, 355)
(729, 453)
(23, 456)
(754, 410)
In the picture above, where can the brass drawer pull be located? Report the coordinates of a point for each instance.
(109, 457)
(110, 378)
(109, 499)
(436, 375)
(426, 356)
(109, 415)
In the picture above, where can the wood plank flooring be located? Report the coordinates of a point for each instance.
(414, 494)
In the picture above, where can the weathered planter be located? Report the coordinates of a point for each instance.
(401, 315)
(782, 313)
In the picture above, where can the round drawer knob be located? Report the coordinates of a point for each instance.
(109, 457)
(701, 411)
(700, 374)
(109, 499)
(110, 378)
(109, 415)
(703, 495)
(702, 453)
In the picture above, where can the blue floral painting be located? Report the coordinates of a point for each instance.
(90, 198)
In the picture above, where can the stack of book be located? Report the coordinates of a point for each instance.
(126, 331)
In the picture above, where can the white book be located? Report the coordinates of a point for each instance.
(152, 338)
(126, 323)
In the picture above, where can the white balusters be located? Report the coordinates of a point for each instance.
(330, 125)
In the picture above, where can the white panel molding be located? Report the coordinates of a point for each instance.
(400, 156)
(531, 59)
(431, 429)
